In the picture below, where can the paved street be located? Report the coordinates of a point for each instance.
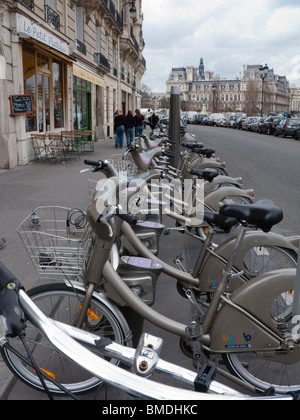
(267, 164)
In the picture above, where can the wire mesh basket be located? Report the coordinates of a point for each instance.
(58, 240)
(124, 163)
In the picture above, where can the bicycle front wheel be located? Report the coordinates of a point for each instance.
(63, 303)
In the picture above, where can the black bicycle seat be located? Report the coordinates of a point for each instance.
(168, 153)
(207, 174)
(264, 213)
(222, 222)
(193, 145)
(206, 152)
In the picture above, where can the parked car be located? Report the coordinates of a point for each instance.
(268, 126)
(231, 120)
(246, 125)
(256, 124)
(287, 127)
(297, 133)
(238, 122)
(212, 119)
(220, 121)
(204, 121)
(183, 128)
(199, 118)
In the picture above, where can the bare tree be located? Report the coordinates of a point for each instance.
(251, 98)
(146, 101)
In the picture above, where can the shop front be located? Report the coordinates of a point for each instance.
(65, 91)
(87, 96)
(45, 79)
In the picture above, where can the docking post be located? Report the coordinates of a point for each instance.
(174, 123)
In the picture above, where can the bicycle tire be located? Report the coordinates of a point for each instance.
(62, 303)
(264, 372)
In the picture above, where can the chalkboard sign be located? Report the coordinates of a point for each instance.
(21, 104)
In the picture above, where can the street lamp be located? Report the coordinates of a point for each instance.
(263, 74)
(132, 9)
(214, 90)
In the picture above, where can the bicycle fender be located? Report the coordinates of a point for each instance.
(213, 199)
(233, 329)
(214, 265)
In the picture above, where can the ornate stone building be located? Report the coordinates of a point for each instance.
(200, 90)
(79, 59)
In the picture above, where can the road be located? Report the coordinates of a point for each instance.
(268, 164)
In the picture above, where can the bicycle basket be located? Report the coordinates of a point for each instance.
(123, 163)
(57, 239)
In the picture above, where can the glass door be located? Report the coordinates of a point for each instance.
(43, 108)
(81, 104)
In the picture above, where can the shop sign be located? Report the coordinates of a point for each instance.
(31, 30)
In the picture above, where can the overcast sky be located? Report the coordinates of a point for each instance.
(226, 33)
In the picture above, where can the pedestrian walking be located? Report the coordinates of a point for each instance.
(120, 126)
(139, 123)
(153, 120)
(130, 128)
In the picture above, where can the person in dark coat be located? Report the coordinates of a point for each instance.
(139, 123)
(153, 121)
(120, 125)
(130, 128)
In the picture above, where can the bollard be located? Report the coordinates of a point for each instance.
(174, 123)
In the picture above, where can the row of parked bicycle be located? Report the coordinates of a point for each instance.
(241, 291)
(272, 125)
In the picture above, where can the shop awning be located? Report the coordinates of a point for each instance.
(51, 51)
(87, 74)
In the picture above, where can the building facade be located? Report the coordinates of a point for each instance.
(201, 91)
(77, 60)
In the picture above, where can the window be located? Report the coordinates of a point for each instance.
(98, 39)
(57, 81)
(79, 30)
(106, 45)
(79, 23)
(43, 78)
(115, 58)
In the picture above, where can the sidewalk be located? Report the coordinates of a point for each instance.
(42, 184)
(39, 184)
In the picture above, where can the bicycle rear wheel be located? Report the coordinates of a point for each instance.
(266, 371)
(63, 303)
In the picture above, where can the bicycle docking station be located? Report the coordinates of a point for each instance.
(141, 275)
(147, 355)
(149, 233)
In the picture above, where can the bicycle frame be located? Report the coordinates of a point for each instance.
(206, 273)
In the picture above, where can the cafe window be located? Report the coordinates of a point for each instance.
(43, 79)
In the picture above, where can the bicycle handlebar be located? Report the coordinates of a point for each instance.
(99, 164)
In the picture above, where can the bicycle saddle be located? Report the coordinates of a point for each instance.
(168, 153)
(207, 175)
(206, 152)
(264, 213)
(192, 145)
(223, 222)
